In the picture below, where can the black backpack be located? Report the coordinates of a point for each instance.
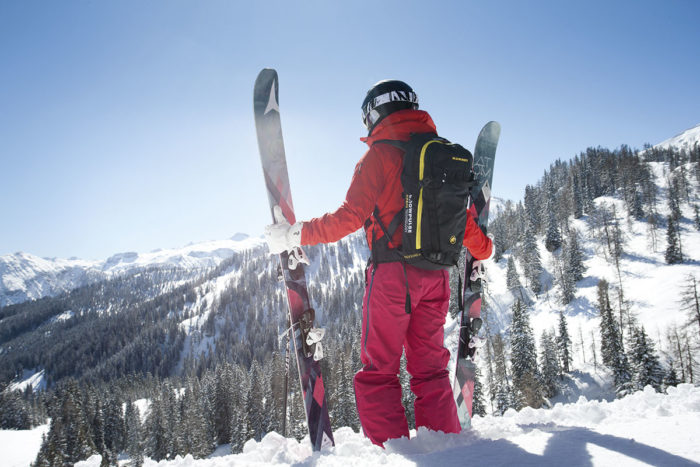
(437, 177)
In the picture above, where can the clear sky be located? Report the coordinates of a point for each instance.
(128, 126)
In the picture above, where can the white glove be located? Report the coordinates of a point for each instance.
(493, 247)
(281, 236)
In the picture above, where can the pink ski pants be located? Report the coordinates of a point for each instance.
(387, 329)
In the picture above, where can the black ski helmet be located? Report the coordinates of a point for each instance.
(384, 98)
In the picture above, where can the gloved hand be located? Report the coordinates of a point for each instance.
(282, 236)
(493, 247)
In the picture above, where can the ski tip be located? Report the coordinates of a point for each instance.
(267, 72)
(492, 128)
(494, 125)
(266, 75)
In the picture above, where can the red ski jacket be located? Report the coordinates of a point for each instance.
(377, 182)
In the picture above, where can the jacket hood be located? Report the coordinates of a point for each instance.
(399, 125)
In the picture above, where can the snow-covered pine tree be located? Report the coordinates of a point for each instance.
(574, 256)
(524, 357)
(512, 278)
(224, 399)
(171, 411)
(503, 398)
(577, 195)
(563, 344)
(645, 363)
(531, 257)
(478, 404)
(553, 236)
(612, 350)
(549, 364)
(673, 249)
(500, 389)
(671, 378)
(97, 424)
(134, 444)
(156, 438)
(674, 197)
(114, 430)
(533, 207)
(256, 408)
(566, 282)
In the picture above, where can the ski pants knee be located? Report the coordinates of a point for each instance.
(387, 329)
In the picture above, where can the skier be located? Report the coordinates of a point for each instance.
(404, 306)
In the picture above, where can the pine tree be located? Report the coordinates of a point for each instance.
(113, 426)
(239, 430)
(531, 258)
(617, 239)
(553, 236)
(567, 284)
(478, 404)
(696, 217)
(524, 357)
(512, 278)
(577, 196)
(500, 372)
(503, 398)
(612, 350)
(574, 257)
(563, 344)
(671, 378)
(223, 402)
(134, 445)
(256, 407)
(549, 363)
(674, 198)
(155, 440)
(673, 250)
(645, 363)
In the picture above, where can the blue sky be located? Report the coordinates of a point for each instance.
(127, 126)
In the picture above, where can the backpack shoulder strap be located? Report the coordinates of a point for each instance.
(403, 145)
(419, 138)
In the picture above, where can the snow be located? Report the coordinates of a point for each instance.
(20, 447)
(685, 140)
(35, 379)
(645, 428)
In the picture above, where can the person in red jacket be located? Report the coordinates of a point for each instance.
(391, 323)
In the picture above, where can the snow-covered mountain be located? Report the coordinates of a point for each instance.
(686, 140)
(24, 276)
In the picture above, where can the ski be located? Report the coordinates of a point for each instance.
(470, 321)
(304, 338)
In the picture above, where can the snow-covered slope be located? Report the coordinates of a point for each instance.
(645, 428)
(24, 276)
(685, 140)
(651, 288)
